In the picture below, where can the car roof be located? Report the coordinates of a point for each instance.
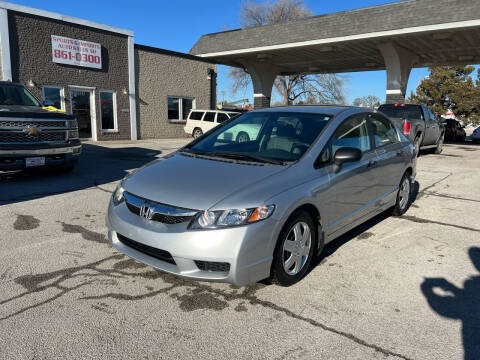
(323, 109)
(222, 111)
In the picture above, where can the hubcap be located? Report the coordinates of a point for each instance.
(242, 138)
(404, 193)
(197, 133)
(296, 248)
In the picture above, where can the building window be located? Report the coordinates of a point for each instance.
(179, 108)
(108, 111)
(54, 95)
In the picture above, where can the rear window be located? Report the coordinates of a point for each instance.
(209, 116)
(404, 111)
(221, 117)
(196, 115)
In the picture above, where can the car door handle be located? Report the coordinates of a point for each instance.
(372, 163)
(400, 153)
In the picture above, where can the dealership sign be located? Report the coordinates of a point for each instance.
(76, 52)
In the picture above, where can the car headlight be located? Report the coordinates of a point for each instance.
(117, 196)
(233, 217)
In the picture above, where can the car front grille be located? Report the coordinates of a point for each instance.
(21, 137)
(147, 250)
(28, 123)
(162, 213)
(212, 266)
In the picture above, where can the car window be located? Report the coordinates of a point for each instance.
(209, 116)
(196, 115)
(16, 95)
(383, 131)
(353, 132)
(283, 136)
(221, 117)
(401, 111)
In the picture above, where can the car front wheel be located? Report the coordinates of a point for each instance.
(294, 249)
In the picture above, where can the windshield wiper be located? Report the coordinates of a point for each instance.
(239, 156)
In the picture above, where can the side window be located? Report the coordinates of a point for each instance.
(221, 117)
(384, 132)
(353, 132)
(209, 116)
(196, 115)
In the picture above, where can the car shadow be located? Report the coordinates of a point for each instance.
(98, 165)
(462, 304)
(362, 229)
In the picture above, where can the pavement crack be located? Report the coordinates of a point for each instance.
(423, 191)
(427, 221)
(449, 196)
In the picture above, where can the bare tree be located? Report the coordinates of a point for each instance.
(304, 88)
(369, 101)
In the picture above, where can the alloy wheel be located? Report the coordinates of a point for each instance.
(404, 193)
(296, 248)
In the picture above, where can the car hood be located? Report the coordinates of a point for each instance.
(195, 183)
(21, 111)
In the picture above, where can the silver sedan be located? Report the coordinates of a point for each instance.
(259, 196)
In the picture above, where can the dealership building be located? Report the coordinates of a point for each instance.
(118, 90)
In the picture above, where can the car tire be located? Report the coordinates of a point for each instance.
(242, 137)
(294, 250)
(439, 148)
(197, 132)
(416, 144)
(403, 196)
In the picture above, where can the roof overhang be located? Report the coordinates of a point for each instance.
(435, 41)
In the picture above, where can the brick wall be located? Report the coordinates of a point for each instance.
(160, 74)
(31, 55)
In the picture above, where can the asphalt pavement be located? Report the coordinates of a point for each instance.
(406, 288)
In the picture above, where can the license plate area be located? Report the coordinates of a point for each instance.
(35, 161)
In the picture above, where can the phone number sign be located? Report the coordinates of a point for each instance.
(76, 52)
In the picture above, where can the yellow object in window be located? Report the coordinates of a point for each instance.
(52, 108)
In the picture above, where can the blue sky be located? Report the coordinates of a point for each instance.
(177, 25)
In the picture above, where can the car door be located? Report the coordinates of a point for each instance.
(355, 185)
(209, 121)
(391, 158)
(432, 131)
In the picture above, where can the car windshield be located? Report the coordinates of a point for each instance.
(275, 137)
(401, 111)
(16, 95)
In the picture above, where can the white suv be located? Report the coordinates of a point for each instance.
(201, 121)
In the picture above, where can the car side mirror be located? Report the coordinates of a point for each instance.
(345, 154)
(48, 103)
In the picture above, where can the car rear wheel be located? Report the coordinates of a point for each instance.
(403, 196)
(416, 145)
(197, 132)
(294, 249)
(243, 137)
(439, 148)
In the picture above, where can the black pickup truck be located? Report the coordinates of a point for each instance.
(32, 135)
(418, 124)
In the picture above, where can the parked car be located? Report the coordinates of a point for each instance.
(225, 210)
(32, 135)
(418, 124)
(454, 131)
(201, 121)
(476, 135)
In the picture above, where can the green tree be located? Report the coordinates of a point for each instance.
(449, 87)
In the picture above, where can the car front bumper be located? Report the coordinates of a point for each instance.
(13, 157)
(248, 249)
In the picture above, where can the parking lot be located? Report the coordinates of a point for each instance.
(406, 288)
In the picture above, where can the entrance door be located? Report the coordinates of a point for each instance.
(83, 108)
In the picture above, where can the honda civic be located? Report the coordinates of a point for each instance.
(240, 209)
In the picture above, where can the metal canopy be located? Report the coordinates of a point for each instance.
(435, 32)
